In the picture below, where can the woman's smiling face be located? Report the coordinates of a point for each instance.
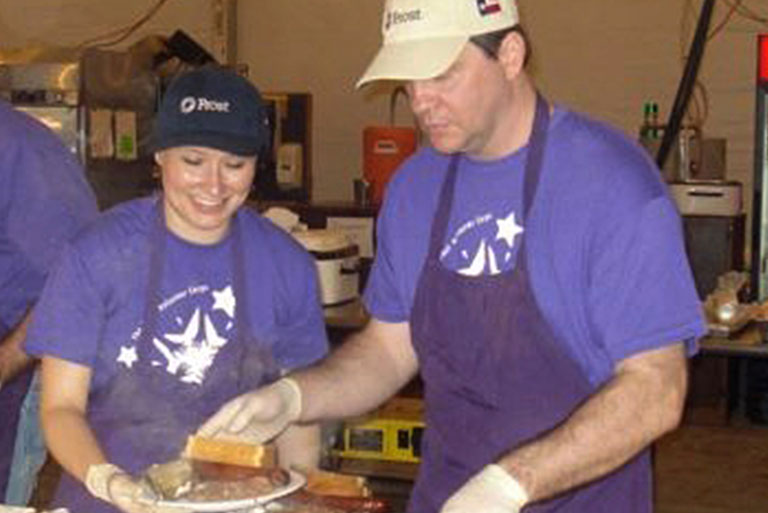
(203, 188)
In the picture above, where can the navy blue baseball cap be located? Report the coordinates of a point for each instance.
(215, 108)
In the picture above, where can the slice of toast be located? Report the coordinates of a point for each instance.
(229, 452)
(323, 482)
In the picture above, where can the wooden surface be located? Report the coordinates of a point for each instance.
(707, 469)
(749, 342)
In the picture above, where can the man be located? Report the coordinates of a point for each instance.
(44, 200)
(530, 266)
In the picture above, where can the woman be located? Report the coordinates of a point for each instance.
(171, 305)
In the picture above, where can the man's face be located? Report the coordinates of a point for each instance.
(462, 109)
(203, 189)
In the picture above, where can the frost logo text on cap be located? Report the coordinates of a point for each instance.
(190, 104)
(398, 17)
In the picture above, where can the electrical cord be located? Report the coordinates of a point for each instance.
(697, 111)
(726, 19)
(747, 13)
(121, 34)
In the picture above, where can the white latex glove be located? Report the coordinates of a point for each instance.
(111, 484)
(492, 490)
(258, 416)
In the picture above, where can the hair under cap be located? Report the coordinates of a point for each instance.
(215, 108)
(422, 38)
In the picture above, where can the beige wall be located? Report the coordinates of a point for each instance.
(70, 22)
(602, 57)
(320, 47)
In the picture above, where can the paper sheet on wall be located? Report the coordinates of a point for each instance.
(359, 230)
(125, 135)
(100, 134)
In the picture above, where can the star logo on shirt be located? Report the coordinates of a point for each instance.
(128, 356)
(224, 299)
(508, 229)
(191, 352)
(186, 337)
(483, 261)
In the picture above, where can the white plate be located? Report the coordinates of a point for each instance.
(295, 482)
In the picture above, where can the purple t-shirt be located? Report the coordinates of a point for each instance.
(92, 307)
(44, 201)
(605, 249)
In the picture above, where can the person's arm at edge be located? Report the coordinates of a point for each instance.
(363, 372)
(643, 401)
(64, 399)
(13, 358)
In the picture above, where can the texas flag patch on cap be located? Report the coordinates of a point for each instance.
(488, 7)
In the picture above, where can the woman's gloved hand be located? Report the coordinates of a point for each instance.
(492, 490)
(112, 484)
(258, 416)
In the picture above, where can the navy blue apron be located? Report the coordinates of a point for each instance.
(145, 416)
(495, 374)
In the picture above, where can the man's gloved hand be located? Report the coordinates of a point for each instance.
(111, 484)
(258, 416)
(492, 490)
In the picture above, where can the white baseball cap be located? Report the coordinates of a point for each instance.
(422, 38)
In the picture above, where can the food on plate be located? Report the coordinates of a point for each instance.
(206, 474)
(218, 490)
(209, 470)
(170, 480)
(322, 482)
(307, 502)
(186, 480)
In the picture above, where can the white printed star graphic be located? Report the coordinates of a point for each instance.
(484, 258)
(187, 337)
(224, 300)
(212, 338)
(508, 229)
(477, 265)
(191, 352)
(128, 356)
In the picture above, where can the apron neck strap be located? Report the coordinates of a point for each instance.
(535, 158)
(239, 283)
(157, 250)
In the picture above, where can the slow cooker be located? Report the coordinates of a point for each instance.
(338, 264)
(707, 198)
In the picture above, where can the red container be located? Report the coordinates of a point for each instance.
(384, 149)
